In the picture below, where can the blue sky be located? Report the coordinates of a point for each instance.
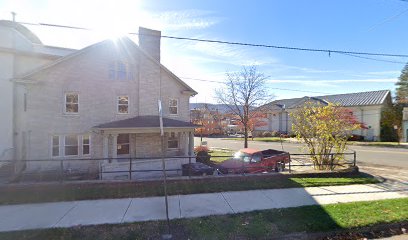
(364, 25)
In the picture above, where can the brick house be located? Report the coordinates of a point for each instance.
(102, 102)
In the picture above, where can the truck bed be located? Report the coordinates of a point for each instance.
(271, 152)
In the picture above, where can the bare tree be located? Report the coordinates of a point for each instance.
(242, 93)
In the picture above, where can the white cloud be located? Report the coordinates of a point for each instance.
(185, 20)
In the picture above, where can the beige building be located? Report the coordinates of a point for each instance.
(102, 102)
(20, 51)
(366, 106)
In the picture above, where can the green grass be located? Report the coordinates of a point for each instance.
(260, 139)
(252, 225)
(53, 192)
(379, 144)
(316, 182)
(219, 156)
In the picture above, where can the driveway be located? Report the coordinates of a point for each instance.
(391, 162)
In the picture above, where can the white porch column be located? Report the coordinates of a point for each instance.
(190, 144)
(114, 145)
(105, 146)
(186, 143)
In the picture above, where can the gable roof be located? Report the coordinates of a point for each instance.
(88, 48)
(147, 122)
(345, 100)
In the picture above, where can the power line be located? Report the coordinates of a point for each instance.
(328, 51)
(289, 48)
(373, 59)
(283, 89)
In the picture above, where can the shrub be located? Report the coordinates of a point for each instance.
(266, 134)
(275, 134)
(201, 148)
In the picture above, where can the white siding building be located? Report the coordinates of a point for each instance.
(366, 106)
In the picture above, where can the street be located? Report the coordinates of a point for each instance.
(387, 162)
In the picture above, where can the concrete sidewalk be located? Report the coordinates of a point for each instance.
(89, 212)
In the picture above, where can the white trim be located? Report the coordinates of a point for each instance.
(78, 145)
(52, 146)
(82, 145)
(65, 103)
(61, 147)
(177, 106)
(117, 104)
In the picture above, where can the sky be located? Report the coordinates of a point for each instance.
(364, 26)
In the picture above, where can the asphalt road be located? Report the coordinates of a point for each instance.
(394, 157)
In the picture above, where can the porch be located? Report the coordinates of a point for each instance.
(135, 144)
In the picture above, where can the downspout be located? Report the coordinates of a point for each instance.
(14, 89)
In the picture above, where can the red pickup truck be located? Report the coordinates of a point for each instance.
(249, 160)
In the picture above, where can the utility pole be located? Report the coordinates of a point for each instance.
(14, 16)
(167, 235)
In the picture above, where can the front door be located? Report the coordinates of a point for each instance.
(123, 147)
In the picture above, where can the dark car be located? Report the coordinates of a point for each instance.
(196, 169)
(255, 161)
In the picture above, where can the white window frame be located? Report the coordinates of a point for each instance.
(170, 106)
(89, 144)
(58, 145)
(114, 70)
(121, 104)
(78, 145)
(175, 138)
(65, 103)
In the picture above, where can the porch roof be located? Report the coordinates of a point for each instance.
(147, 122)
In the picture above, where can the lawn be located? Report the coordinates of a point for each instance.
(220, 155)
(260, 139)
(379, 144)
(264, 224)
(53, 192)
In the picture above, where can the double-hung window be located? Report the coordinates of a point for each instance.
(71, 103)
(173, 106)
(71, 145)
(120, 70)
(55, 146)
(123, 104)
(86, 145)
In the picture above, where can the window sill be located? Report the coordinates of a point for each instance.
(71, 114)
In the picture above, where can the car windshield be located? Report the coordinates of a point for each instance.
(242, 156)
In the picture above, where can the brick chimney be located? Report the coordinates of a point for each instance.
(149, 41)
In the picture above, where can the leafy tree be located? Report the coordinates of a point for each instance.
(402, 89)
(325, 129)
(257, 120)
(391, 117)
(242, 93)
